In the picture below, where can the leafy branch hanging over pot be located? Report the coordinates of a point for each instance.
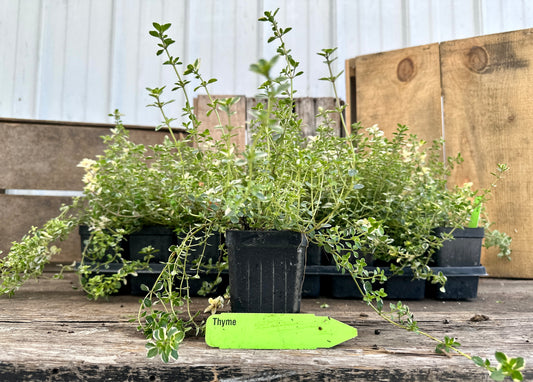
(352, 195)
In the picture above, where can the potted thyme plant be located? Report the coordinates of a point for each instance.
(317, 190)
(406, 190)
(281, 186)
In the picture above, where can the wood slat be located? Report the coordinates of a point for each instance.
(488, 117)
(45, 156)
(351, 110)
(211, 122)
(308, 108)
(251, 102)
(329, 103)
(51, 332)
(399, 87)
(20, 213)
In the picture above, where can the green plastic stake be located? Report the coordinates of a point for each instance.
(275, 331)
(474, 218)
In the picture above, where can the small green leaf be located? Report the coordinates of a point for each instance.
(152, 352)
(147, 302)
(174, 354)
(500, 357)
(520, 363)
(477, 360)
(497, 375)
(517, 376)
(352, 172)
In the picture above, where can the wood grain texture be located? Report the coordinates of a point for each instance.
(39, 155)
(351, 110)
(44, 156)
(251, 103)
(51, 332)
(20, 213)
(308, 108)
(212, 123)
(488, 118)
(400, 87)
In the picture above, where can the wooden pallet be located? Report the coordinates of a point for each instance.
(51, 332)
(476, 93)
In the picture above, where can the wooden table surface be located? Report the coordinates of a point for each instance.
(51, 332)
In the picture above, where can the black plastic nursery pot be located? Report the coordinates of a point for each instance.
(459, 260)
(312, 279)
(404, 287)
(463, 250)
(160, 238)
(85, 236)
(341, 285)
(266, 270)
(462, 283)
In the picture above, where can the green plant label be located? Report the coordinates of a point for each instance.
(275, 331)
(474, 218)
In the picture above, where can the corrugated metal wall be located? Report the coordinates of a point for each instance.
(77, 60)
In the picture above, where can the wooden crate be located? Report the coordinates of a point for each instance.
(307, 108)
(397, 87)
(484, 86)
(42, 155)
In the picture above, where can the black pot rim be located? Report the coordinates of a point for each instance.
(478, 232)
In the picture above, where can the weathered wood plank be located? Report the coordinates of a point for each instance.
(399, 87)
(328, 103)
(20, 213)
(305, 108)
(308, 109)
(488, 117)
(212, 123)
(49, 330)
(251, 103)
(351, 109)
(44, 155)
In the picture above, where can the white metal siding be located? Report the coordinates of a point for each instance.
(77, 60)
